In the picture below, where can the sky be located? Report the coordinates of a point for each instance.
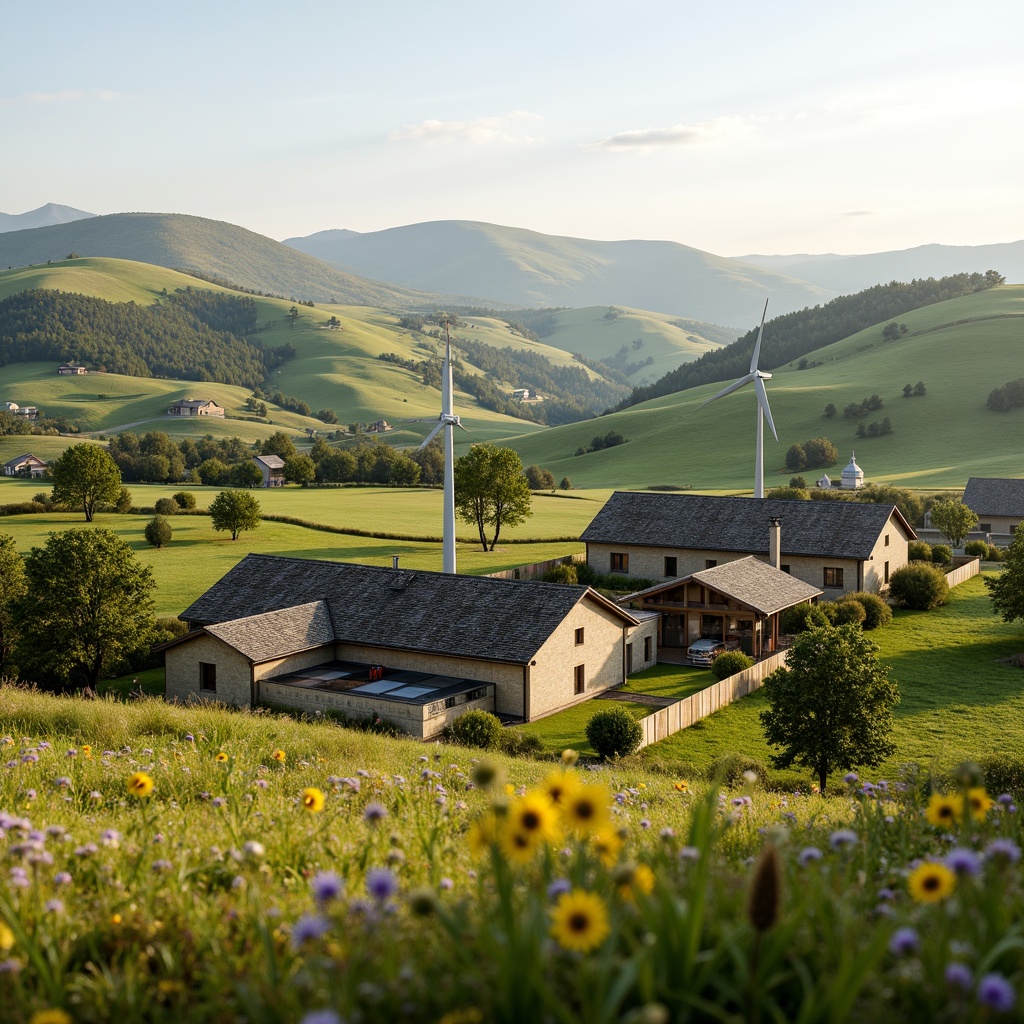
(738, 128)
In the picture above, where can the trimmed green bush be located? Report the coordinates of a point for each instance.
(994, 554)
(849, 612)
(614, 733)
(801, 617)
(729, 663)
(919, 586)
(166, 507)
(476, 729)
(158, 531)
(977, 548)
(876, 610)
(919, 551)
(729, 769)
(942, 554)
(561, 574)
(185, 499)
(517, 743)
(1003, 773)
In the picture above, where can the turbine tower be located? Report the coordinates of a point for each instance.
(758, 377)
(447, 422)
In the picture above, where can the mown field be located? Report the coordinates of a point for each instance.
(166, 863)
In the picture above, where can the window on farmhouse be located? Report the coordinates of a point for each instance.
(785, 569)
(670, 566)
(710, 563)
(579, 636)
(886, 580)
(647, 648)
(581, 678)
(986, 527)
(620, 562)
(887, 540)
(207, 676)
(833, 577)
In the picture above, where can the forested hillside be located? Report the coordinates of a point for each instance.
(192, 336)
(795, 335)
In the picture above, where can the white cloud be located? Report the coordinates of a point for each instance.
(677, 135)
(504, 129)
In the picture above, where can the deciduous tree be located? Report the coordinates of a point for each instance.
(84, 477)
(830, 708)
(87, 604)
(235, 511)
(491, 491)
(953, 519)
(12, 590)
(1007, 589)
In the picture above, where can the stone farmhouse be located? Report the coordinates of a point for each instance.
(999, 506)
(195, 407)
(417, 648)
(71, 369)
(837, 546)
(737, 603)
(272, 468)
(25, 465)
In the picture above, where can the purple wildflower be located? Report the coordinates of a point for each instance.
(689, 853)
(808, 855)
(162, 865)
(62, 878)
(904, 941)
(307, 928)
(374, 811)
(842, 837)
(445, 884)
(558, 887)
(850, 778)
(10, 966)
(326, 886)
(321, 1017)
(963, 861)
(1005, 799)
(381, 884)
(996, 992)
(959, 975)
(110, 837)
(54, 906)
(189, 738)
(1002, 850)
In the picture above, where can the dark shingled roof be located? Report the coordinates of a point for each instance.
(275, 634)
(995, 496)
(430, 612)
(837, 529)
(749, 581)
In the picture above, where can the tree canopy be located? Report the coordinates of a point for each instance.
(84, 476)
(1006, 590)
(235, 511)
(953, 519)
(830, 708)
(491, 491)
(12, 590)
(87, 604)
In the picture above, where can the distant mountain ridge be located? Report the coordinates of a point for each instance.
(212, 248)
(51, 213)
(529, 268)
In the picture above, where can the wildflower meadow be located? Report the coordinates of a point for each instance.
(161, 863)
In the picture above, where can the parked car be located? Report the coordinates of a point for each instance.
(704, 651)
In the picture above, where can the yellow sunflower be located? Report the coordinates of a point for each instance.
(634, 878)
(579, 921)
(140, 784)
(313, 800)
(482, 835)
(221, 757)
(931, 882)
(559, 786)
(944, 811)
(279, 755)
(979, 803)
(682, 786)
(586, 810)
(86, 750)
(6, 938)
(536, 816)
(607, 844)
(518, 846)
(52, 1016)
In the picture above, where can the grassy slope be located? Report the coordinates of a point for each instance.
(938, 440)
(958, 700)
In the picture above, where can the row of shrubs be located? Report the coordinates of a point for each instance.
(866, 610)
(582, 573)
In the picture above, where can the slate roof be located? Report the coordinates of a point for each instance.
(428, 612)
(837, 529)
(995, 496)
(270, 461)
(750, 581)
(275, 634)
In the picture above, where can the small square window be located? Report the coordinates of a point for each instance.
(670, 566)
(207, 676)
(579, 636)
(580, 678)
(887, 540)
(833, 577)
(647, 648)
(785, 569)
(619, 562)
(710, 563)
(886, 580)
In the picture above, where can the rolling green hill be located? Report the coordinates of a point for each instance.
(212, 247)
(961, 349)
(533, 269)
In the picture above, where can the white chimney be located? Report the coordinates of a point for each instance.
(775, 542)
(394, 561)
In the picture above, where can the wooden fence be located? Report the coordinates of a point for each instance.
(691, 709)
(963, 572)
(536, 569)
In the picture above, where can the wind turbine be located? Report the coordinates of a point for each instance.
(758, 377)
(447, 422)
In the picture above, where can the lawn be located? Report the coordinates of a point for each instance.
(569, 728)
(959, 700)
(676, 681)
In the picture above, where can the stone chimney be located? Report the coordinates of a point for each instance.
(775, 542)
(394, 561)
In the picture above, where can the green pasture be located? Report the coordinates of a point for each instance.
(568, 729)
(959, 700)
(961, 349)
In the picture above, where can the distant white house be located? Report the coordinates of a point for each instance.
(25, 465)
(71, 369)
(272, 468)
(195, 407)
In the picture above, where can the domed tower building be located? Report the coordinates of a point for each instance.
(853, 475)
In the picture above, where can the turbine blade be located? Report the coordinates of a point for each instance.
(762, 400)
(734, 386)
(757, 345)
(430, 437)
